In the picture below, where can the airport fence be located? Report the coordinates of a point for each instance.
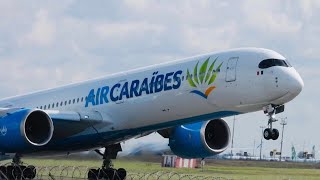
(81, 173)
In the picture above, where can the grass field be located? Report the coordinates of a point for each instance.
(215, 168)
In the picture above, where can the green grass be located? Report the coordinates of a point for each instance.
(226, 169)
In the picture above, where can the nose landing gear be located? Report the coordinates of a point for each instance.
(271, 111)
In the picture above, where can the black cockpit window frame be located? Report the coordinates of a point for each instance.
(267, 63)
(288, 63)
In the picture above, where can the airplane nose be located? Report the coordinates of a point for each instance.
(296, 84)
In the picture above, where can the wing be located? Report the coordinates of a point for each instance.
(65, 123)
(68, 123)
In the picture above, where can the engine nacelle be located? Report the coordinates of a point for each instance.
(200, 140)
(24, 129)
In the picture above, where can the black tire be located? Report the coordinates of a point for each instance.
(275, 134)
(267, 134)
(3, 173)
(93, 174)
(30, 172)
(17, 171)
(122, 173)
(10, 171)
(111, 174)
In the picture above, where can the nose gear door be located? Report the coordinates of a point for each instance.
(231, 73)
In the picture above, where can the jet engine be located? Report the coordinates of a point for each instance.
(200, 140)
(24, 129)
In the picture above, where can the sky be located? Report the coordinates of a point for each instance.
(44, 44)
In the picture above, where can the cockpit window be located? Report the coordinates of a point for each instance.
(288, 63)
(273, 62)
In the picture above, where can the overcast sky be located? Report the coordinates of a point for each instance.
(44, 44)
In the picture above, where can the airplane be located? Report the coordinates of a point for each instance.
(183, 100)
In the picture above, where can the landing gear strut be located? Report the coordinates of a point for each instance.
(16, 170)
(271, 111)
(107, 171)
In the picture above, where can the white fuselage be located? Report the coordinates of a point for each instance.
(240, 86)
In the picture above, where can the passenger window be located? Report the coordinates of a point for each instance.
(61, 103)
(65, 103)
(53, 105)
(49, 106)
(78, 100)
(73, 101)
(57, 105)
(45, 107)
(40, 107)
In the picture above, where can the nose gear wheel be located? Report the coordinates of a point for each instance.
(271, 134)
(271, 111)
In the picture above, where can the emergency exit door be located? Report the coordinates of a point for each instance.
(231, 74)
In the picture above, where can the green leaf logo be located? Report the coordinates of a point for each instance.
(204, 76)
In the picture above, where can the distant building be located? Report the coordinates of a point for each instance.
(178, 162)
(168, 160)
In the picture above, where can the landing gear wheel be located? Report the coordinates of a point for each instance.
(271, 110)
(267, 133)
(16, 170)
(122, 173)
(271, 134)
(107, 171)
(275, 134)
(3, 172)
(93, 174)
(29, 172)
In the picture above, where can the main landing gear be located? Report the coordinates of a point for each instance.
(107, 171)
(16, 170)
(271, 111)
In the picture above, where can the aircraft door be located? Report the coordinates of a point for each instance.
(231, 73)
